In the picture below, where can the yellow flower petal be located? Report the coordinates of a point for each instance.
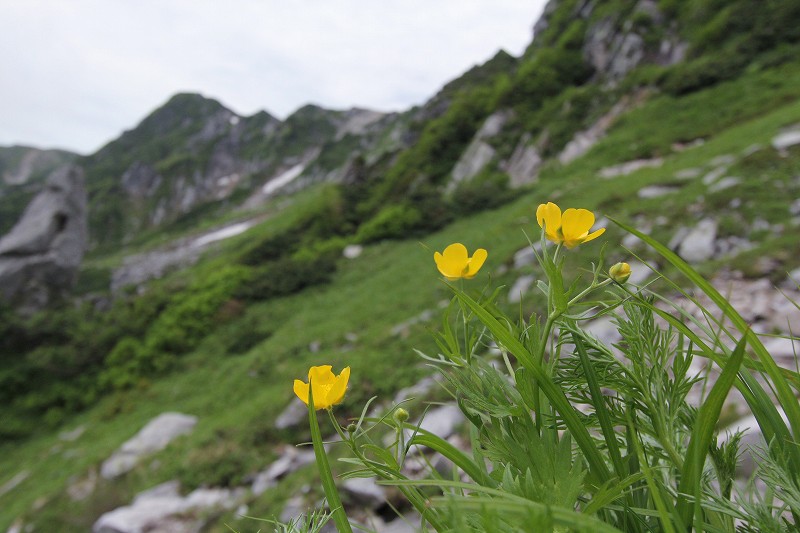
(594, 234)
(476, 262)
(321, 375)
(336, 393)
(576, 223)
(453, 262)
(327, 388)
(301, 389)
(549, 218)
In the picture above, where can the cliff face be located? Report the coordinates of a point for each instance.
(40, 256)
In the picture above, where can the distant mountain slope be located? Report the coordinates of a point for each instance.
(22, 173)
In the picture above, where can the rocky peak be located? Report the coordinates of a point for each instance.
(40, 256)
(614, 45)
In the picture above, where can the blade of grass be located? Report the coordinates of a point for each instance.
(707, 417)
(425, 438)
(553, 392)
(598, 401)
(656, 490)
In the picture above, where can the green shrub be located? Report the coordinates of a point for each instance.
(272, 247)
(487, 190)
(392, 222)
(287, 276)
(129, 362)
(191, 315)
(222, 464)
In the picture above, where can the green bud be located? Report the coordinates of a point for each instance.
(620, 272)
(400, 415)
(351, 428)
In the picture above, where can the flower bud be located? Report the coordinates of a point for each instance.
(351, 428)
(400, 415)
(620, 272)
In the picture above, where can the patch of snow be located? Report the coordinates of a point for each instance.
(282, 179)
(223, 233)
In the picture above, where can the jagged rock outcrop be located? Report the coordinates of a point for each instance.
(479, 153)
(614, 50)
(40, 256)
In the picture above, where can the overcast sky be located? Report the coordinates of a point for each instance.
(76, 73)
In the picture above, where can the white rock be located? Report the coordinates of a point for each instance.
(723, 160)
(654, 191)
(630, 167)
(163, 509)
(72, 435)
(640, 273)
(583, 141)
(351, 251)
(290, 460)
(473, 160)
(419, 389)
(364, 491)
(725, 183)
(526, 256)
(714, 175)
(786, 139)
(153, 437)
(603, 329)
(785, 315)
(782, 348)
(698, 245)
(441, 421)
(520, 288)
(292, 415)
(523, 167)
(12, 483)
(409, 523)
(479, 153)
(296, 506)
(750, 150)
(678, 238)
(688, 173)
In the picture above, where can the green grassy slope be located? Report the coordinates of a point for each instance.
(238, 395)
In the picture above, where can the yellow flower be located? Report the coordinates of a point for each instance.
(328, 389)
(455, 262)
(571, 228)
(620, 272)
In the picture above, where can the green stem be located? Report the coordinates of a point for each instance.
(326, 477)
(589, 289)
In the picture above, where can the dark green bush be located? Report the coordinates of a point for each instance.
(222, 464)
(486, 190)
(287, 276)
(192, 313)
(392, 222)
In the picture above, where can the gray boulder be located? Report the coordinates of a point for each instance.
(698, 245)
(40, 256)
(153, 437)
(163, 510)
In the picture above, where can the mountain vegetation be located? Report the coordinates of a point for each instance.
(639, 111)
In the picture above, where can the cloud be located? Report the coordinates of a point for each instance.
(77, 73)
